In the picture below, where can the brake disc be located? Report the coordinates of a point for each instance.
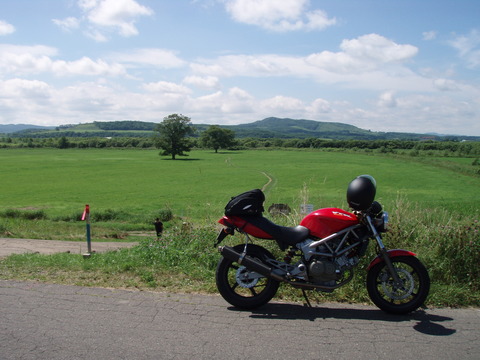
(246, 278)
(394, 292)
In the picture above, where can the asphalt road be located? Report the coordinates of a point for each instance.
(42, 321)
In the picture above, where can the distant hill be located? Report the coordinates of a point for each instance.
(272, 127)
(8, 129)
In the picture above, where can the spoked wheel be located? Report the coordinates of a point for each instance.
(399, 299)
(244, 288)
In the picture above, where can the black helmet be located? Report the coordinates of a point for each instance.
(361, 192)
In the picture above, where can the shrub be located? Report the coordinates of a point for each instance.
(24, 214)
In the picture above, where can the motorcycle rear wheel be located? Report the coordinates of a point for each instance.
(402, 300)
(248, 294)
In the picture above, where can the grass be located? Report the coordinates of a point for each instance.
(138, 182)
(434, 212)
(185, 260)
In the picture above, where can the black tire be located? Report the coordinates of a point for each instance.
(251, 293)
(413, 293)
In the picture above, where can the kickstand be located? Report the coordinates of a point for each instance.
(306, 298)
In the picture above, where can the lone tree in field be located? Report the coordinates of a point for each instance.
(217, 138)
(172, 135)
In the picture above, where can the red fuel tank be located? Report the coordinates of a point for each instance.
(324, 222)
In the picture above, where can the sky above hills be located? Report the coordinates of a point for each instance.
(382, 65)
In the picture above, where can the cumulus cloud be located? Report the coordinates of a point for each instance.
(103, 17)
(378, 48)
(284, 105)
(369, 59)
(285, 15)
(18, 59)
(120, 15)
(24, 88)
(319, 106)
(203, 82)
(166, 87)
(387, 99)
(6, 28)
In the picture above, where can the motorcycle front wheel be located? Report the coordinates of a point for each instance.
(244, 288)
(399, 299)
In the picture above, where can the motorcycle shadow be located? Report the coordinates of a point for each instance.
(425, 323)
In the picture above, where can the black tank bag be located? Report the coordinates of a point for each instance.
(249, 203)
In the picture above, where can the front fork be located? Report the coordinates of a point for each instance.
(384, 254)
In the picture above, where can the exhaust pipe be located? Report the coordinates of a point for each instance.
(249, 262)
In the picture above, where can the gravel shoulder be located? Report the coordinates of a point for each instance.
(9, 246)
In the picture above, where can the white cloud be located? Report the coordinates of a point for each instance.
(17, 59)
(319, 106)
(468, 47)
(6, 28)
(87, 66)
(429, 35)
(68, 23)
(387, 99)
(112, 15)
(24, 88)
(287, 106)
(370, 60)
(428, 113)
(161, 58)
(275, 15)
(445, 85)
(203, 82)
(166, 87)
(38, 102)
(376, 48)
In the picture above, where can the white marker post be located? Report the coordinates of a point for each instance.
(86, 218)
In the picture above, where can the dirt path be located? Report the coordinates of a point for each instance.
(269, 182)
(10, 246)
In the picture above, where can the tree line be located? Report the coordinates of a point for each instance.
(176, 135)
(381, 146)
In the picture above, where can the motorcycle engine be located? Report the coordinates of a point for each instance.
(322, 270)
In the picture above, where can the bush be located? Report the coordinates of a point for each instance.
(108, 215)
(24, 214)
(163, 215)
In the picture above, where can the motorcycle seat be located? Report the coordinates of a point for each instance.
(282, 234)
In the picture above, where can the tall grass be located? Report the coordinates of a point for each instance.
(185, 260)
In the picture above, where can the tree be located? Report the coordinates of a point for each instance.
(63, 143)
(172, 133)
(217, 138)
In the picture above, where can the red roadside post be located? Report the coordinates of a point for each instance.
(86, 218)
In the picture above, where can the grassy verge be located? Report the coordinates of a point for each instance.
(185, 260)
(109, 225)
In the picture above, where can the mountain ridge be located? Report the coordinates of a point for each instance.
(271, 127)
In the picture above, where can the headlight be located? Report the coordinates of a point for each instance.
(381, 221)
(384, 226)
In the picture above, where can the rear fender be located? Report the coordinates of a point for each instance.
(243, 225)
(391, 254)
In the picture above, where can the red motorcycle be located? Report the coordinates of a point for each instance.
(320, 254)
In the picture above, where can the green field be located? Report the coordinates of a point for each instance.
(198, 186)
(433, 206)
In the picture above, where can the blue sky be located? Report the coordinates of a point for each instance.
(382, 65)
